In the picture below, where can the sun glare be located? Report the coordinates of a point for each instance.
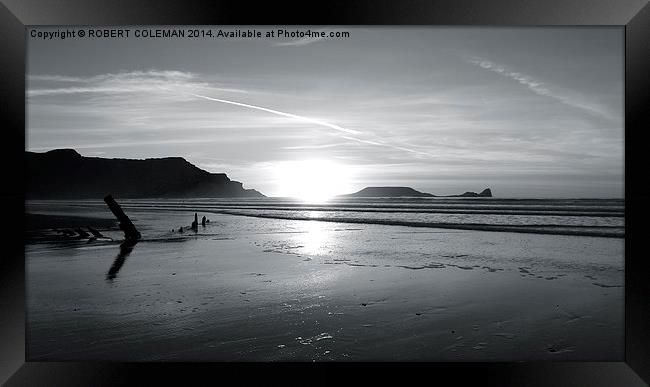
(314, 181)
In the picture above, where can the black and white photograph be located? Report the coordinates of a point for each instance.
(325, 194)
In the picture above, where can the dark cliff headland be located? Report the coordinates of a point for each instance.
(65, 174)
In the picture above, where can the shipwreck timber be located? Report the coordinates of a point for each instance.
(130, 232)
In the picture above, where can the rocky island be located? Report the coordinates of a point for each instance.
(382, 192)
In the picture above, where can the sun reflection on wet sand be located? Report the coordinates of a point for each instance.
(315, 239)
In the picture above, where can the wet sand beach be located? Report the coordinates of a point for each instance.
(255, 289)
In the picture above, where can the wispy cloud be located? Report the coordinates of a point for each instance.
(303, 41)
(303, 147)
(299, 42)
(125, 82)
(149, 101)
(164, 75)
(115, 144)
(171, 83)
(541, 88)
(155, 88)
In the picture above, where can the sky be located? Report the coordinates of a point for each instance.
(528, 112)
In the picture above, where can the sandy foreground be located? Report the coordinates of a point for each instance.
(251, 289)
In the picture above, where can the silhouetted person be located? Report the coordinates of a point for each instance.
(203, 221)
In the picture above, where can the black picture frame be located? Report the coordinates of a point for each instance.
(634, 15)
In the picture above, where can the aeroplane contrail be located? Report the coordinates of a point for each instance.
(380, 143)
(314, 121)
(279, 113)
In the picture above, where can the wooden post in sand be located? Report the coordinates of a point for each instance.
(195, 223)
(130, 232)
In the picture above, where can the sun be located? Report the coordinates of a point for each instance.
(314, 181)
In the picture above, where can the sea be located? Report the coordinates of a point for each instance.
(586, 217)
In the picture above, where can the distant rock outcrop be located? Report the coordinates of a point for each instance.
(380, 192)
(65, 174)
(486, 193)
